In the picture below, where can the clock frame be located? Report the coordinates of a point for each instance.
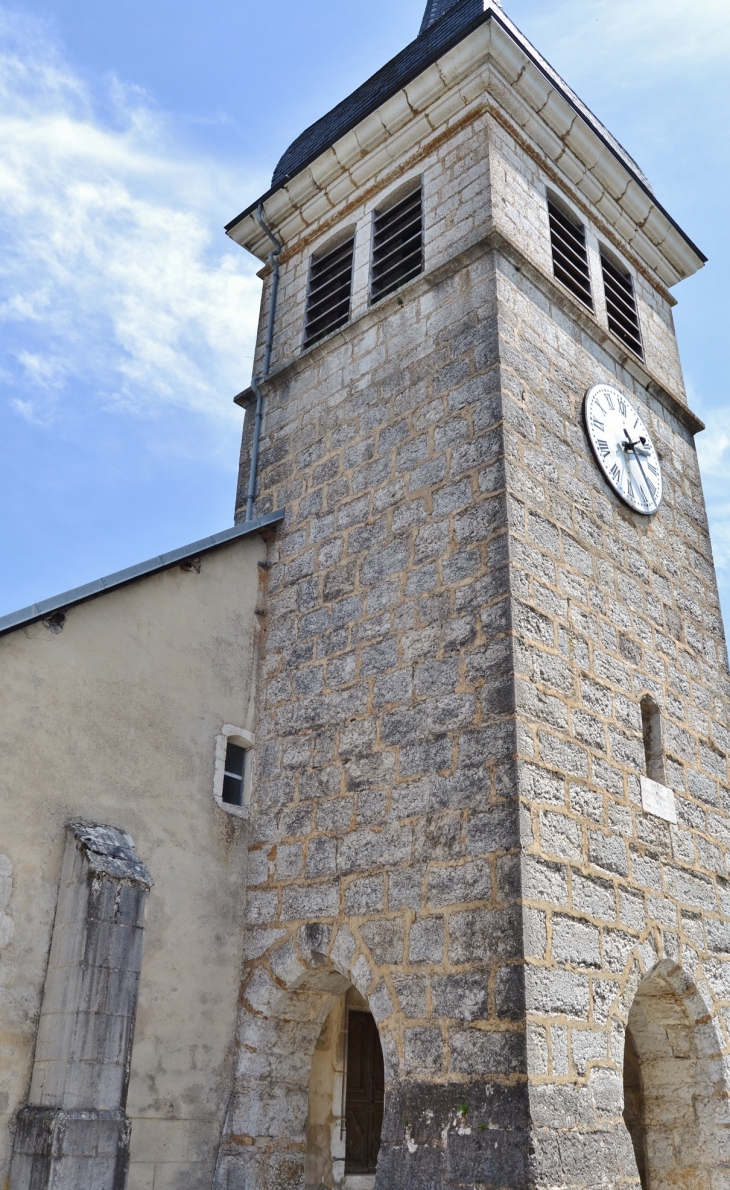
(623, 448)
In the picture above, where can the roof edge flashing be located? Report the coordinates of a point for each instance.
(121, 578)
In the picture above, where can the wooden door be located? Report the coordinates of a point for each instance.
(364, 1094)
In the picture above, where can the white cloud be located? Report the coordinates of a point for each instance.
(116, 283)
(636, 40)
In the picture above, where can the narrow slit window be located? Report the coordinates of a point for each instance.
(651, 726)
(330, 288)
(623, 316)
(570, 258)
(397, 245)
(233, 775)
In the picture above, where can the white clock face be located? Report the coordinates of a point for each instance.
(623, 449)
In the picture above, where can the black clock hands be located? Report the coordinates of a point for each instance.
(628, 445)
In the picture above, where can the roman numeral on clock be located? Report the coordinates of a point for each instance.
(622, 406)
(616, 472)
(603, 447)
(597, 424)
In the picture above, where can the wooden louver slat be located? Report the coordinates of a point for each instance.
(397, 245)
(328, 298)
(623, 316)
(570, 258)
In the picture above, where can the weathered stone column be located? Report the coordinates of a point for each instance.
(74, 1133)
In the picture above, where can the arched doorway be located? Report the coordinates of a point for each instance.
(675, 1097)
(286, 1124)
(346, 1093)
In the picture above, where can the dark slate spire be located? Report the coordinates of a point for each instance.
(434, 10)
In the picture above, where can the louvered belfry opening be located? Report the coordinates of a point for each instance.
(623, 317)
(330, 286)
(397, 245)
(570, 259)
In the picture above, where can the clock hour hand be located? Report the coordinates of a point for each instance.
(638, 446)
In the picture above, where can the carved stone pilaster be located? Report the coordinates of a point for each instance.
(74, 1133)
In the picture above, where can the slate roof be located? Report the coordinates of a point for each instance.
(441, 35)
(445, 24)
(449, 22)
(434, 10)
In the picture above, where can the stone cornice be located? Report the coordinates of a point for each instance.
(490, 61)
(493, 241)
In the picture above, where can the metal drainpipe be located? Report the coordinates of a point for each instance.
(274, 262)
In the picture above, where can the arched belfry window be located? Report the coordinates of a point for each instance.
(651, 726)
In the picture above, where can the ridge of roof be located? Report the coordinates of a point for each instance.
(99, 586)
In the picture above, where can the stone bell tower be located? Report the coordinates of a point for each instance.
(490, 806)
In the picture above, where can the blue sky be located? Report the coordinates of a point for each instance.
(131, 133)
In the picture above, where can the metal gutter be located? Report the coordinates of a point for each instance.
(57, 603)
(440, 49)
(274, 265)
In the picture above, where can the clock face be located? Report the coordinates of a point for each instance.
(623, 449)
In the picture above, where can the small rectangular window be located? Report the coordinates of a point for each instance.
(570, 258)
(397, 245)
(623, 317)
(233, 774)
(330, 286)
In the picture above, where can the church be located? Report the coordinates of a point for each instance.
(380, 842)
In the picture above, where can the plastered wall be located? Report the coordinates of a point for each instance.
(114, 719)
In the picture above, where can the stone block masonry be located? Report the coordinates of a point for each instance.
(446, 809)
(385, 781)
(609, 607)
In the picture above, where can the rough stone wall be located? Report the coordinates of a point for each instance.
(607, 606)
(520, 181)
(460, 624)
(384, 797)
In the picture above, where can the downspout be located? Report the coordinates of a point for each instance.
(255, 380)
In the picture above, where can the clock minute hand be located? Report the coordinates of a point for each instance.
(628, 445)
